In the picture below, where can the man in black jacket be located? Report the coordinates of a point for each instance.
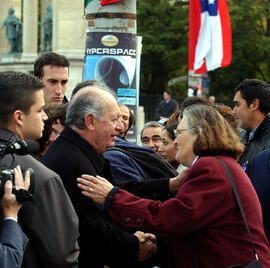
(167, 106)
(92, 123)
(251, 108)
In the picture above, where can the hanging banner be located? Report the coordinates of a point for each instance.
(110, 58)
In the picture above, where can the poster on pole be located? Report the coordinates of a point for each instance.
(110, 58)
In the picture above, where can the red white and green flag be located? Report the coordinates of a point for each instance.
(103, 2)
(107, 2)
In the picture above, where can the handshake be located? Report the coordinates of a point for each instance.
(148, 245)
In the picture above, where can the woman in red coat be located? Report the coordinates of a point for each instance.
(204, 212)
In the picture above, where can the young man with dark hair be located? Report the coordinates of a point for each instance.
(50, 222)
(251, 108)
(252, 105)
(53, 70)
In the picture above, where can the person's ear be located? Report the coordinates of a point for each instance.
(255, 104)
(90, 122)
(18, 117)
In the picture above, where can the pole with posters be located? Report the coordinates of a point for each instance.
(111, 50)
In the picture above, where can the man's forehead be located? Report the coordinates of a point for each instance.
(39, 98)
(124, 110)
(238, 95)
(112, 107)
(151, 131)
(238, 98)
(114, 113)
(49, 68)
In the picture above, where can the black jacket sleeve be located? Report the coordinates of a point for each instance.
(157, 189)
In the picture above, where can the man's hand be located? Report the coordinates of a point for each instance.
(148, 245)
(176, 182)
(9, 204)
(96, 188)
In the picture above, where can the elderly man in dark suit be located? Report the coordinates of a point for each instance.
(92, 124)
(50, 222)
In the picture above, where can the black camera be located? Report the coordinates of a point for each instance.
(19, 147)
(7, 174)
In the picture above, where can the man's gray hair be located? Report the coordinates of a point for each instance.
(86, 102)
(151, 124)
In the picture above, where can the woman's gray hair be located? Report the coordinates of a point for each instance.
(188, 116)
(215, 134)
(88, 101)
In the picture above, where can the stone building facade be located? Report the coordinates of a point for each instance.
(69, 31)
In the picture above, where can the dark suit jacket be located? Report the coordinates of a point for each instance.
(260, 178)
(100, 241)
(139, 170)
(259, 142)
(205, 207)
(50, 222)
(166, 109)
(12, 244)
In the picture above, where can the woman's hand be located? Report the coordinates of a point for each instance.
(97, 188)
(176, 182)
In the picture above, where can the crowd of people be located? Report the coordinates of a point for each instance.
(99, 200)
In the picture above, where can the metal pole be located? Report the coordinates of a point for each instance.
(118, 17)
(111, 54)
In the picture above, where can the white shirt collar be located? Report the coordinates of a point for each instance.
(195, 160)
